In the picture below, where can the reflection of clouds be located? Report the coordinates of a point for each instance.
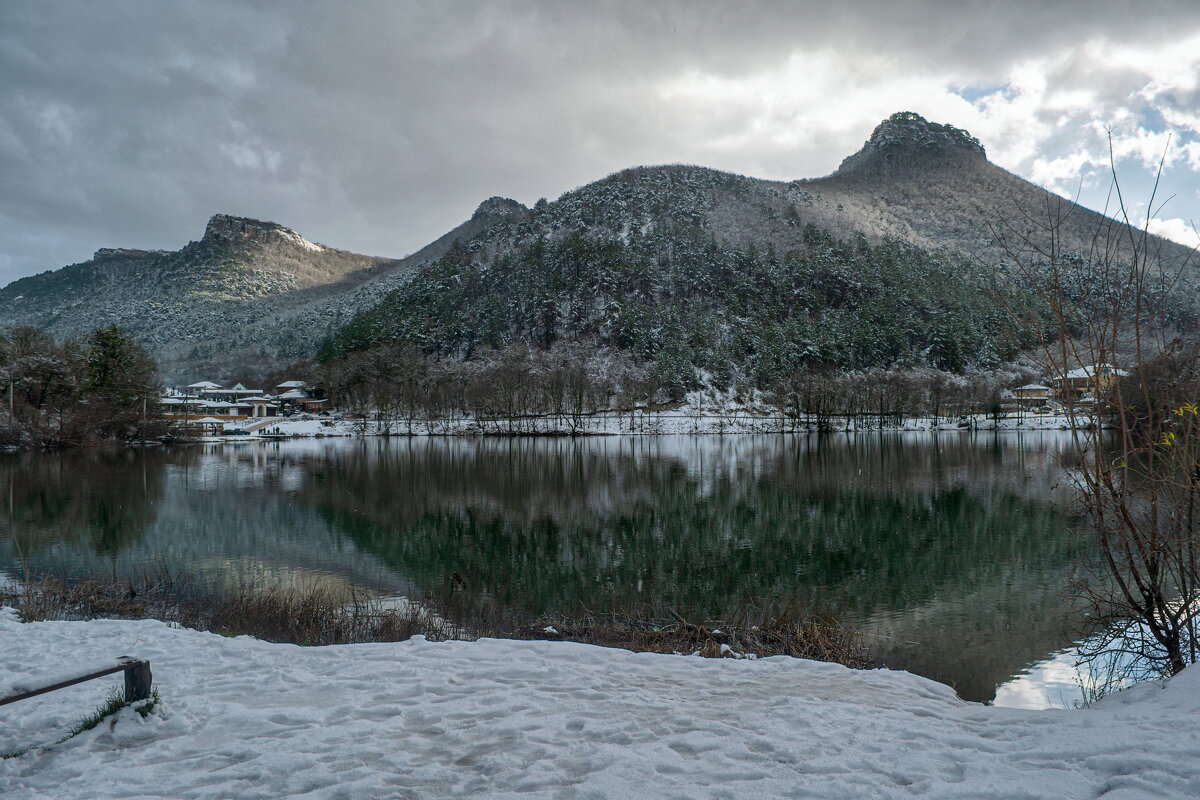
(1052, 683)
(1064, 679)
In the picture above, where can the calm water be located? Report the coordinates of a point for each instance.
(950, 550)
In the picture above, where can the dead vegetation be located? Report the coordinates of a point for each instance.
(307, 616)
(321, 616)
(748, 634)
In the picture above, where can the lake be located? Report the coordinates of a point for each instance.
(951, 551)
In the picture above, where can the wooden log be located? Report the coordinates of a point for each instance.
(125, 664)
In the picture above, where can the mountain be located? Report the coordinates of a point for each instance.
(248, 293)
(902, 257)
(922, 183)
(904, 238)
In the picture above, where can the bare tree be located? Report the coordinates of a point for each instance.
(1138, 482)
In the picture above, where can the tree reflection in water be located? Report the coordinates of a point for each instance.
(950, 549)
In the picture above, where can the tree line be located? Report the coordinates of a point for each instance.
(404, 389)
(101, 388)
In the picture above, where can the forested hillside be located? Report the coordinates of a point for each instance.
(248, 294)
(682, 301)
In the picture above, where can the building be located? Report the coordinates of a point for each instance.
(1087, 382)
(207, 390)
(1032, 394)
(214, 401)
(227, 408)
(263, 406)
(300, 400)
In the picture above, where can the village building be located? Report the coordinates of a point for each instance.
(1032, 394)
(210, 400)
(194, 407)
(300, 400)
(209, 425)
(263, 406)
(207, 390)
(1086, 383)
(194, 389)
(296, 395)
(226, 408)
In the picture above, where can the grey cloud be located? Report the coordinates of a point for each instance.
(377, 126)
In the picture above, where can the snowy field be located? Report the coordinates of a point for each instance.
(504, 719)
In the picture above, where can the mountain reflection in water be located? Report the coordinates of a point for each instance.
(950, 550)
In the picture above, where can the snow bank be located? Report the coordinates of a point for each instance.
(499, 719)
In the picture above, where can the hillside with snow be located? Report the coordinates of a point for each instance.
(248, 293)
(252, 294)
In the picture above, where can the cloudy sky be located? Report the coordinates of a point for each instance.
(375, 127)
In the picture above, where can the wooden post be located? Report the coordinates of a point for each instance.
(137, 682)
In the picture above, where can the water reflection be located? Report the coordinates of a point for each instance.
(100, 500)
(1053, 682)
(950, 550)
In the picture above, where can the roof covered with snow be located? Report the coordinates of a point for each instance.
(1095, 369)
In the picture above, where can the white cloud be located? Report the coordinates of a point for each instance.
(809, 111)
(1177, 230)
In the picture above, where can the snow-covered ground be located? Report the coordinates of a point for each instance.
(504, 719)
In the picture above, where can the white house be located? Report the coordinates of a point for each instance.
(1032, 394)
(208, 390)
(263, 406)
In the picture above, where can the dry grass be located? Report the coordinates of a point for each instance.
(748, 634)
(318, 616)
(321, 616)
(310, 616)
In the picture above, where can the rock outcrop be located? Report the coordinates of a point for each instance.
(243, 230)
(110, 253)
(908, 141)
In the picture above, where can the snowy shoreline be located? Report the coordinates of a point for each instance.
(683, 421)
(500, 718)
(678, 422)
